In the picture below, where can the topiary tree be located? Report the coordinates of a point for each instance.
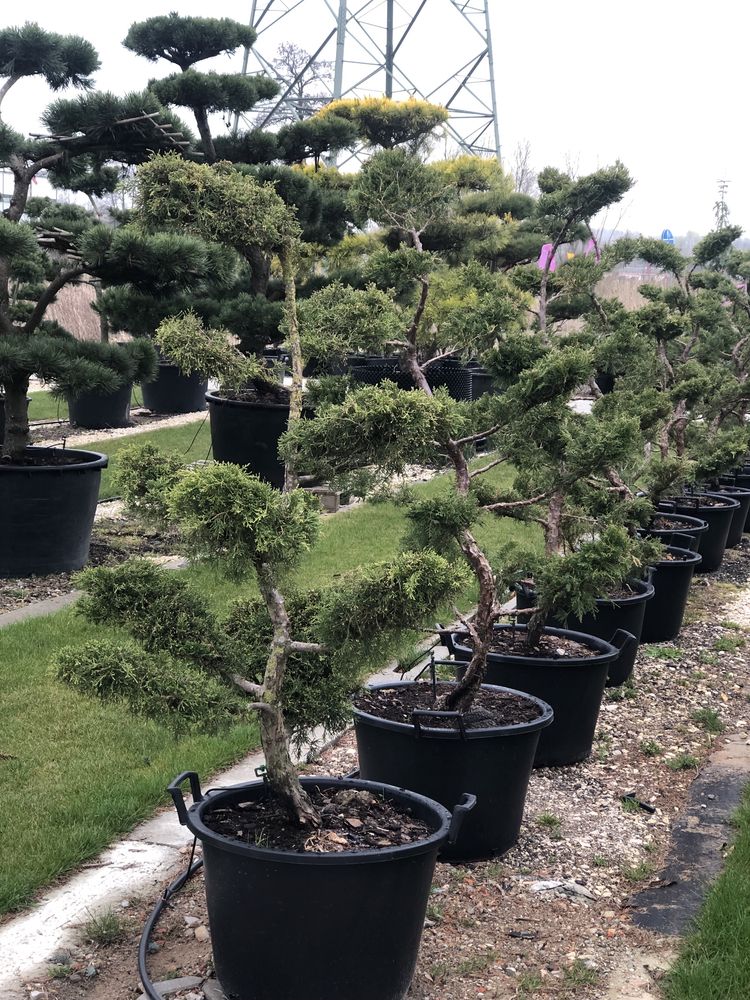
(394, 189)
(385, 123)
(185, 41)
(36, 263)
(291, 657)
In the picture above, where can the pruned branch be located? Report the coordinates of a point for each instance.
(514, 504)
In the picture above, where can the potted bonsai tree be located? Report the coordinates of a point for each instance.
(87, 132)
(316, 846)
(399, 192)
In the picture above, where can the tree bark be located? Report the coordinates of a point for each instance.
(552, 534)
(260, 270)
(16, 419)
(201, 120)
(282, 774)
(295, 350)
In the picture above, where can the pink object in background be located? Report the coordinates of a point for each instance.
(591, 247)
(544, 258)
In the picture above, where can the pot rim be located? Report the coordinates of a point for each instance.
(696, 558)
(606, 652)
(697, 527)
(644, 594)
(278, 856)
(490, 732)
(216, 399)
(92, 460)
(728, 504)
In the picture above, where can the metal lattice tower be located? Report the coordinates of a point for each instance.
(434, 50)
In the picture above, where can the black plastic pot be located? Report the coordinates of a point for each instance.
(482, 383)
(48, 512)
(301, 926)
(713, 542)
(742, 496)
(742, 479)
(671, 579)
(248, 435)
(101, 412)
(173, 392)
(494, 764)
(624, 613)
(572, 686)
(686, 535)
(449, 374)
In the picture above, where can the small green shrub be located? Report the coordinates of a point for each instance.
(709, 719)
(638, 872)
(143, 477)
(682, 762)
(728, 644)
(650, 748)
(105, 928)
(662, 652)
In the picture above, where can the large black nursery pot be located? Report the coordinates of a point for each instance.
(717, 511)
(48, 508)
(291, 925)
(447, 373)
(173, 392)
(247, 433)
(624, 613)
(683, 531)
(727, 486)
(741, 477)
(611, 614)
(671, 579)
(573, 686)
(494, 764)
(97, 412)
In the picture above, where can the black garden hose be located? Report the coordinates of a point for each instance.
(153, 918)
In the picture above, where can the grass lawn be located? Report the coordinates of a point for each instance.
(715, 961)
(191, 440)
(77, 774)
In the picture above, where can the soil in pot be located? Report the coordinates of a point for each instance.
(173, 392)
(488, 751)
(48, 503)
(290, 924)
(717, 512)
(684, 532)
(96, 412)
(573, 685)
(671, 578)
(246, 427)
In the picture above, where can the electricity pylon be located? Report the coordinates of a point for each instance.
(434, 50)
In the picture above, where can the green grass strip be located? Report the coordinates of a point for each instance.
(45, 406)
(715, 960)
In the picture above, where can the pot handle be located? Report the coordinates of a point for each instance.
(420, 714)
(178, 798)
(465, 804)
(626, 642)
(687, 541)
(446, 637)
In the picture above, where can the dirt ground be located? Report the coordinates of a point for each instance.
(551, 918)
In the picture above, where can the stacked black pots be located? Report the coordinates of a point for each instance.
(96, 411)
(718, 512)
(173, 392)
(247, 434)
(671, 578)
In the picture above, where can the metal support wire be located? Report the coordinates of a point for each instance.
(153, 918)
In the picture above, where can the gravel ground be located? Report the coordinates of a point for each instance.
(142, 420)
(505, 929)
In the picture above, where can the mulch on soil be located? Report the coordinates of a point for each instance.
(351, 820)
(551, 918)
(490, 708)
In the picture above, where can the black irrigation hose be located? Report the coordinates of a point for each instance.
(148, 929)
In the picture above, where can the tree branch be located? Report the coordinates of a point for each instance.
(511, 504)
(308, 647)
(49, 294)
(256, 690)
(470, 438)
(486, 468)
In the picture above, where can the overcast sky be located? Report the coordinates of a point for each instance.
(658, 84)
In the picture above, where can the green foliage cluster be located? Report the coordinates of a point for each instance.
(194, 348)
(144, 475)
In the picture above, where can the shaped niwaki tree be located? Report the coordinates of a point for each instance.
(90, 131)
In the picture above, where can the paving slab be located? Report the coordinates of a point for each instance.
(700, 837)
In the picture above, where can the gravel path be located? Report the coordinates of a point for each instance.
(144, 421)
